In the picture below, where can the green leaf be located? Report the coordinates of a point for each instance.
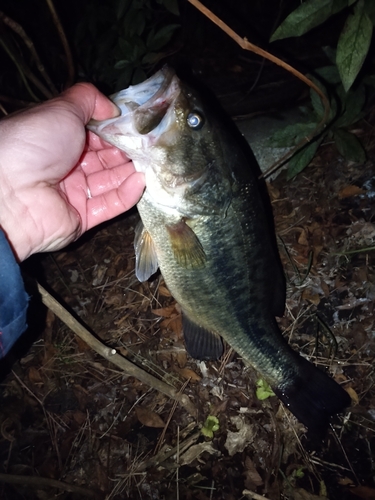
(329, 74)
(353, 45)
(349, 146)
(308, 15)
(370, 10)
(330, 53)
(151, 58)
(291, 134)
(172, 6)
(161, 37)
(352, 103)
(316, 101)
(264, 390)
(301, 159)
(122, 6)
(121, 64)
(210, 426)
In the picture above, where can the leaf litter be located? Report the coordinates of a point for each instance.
(67, 415)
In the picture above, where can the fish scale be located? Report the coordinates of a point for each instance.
(205, 224)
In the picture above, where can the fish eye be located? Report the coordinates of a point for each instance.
(195, 120)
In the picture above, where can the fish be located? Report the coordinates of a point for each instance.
(205, 224)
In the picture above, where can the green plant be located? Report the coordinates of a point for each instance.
(210, 426)
(119, 40)
(264, 390)
(339, 81)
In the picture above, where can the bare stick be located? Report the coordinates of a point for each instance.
(252, 494)
(65, 44)
(111, 355)
(45, 482)
(17, 28)
(246, 45)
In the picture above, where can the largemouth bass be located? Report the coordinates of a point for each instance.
(204, 224)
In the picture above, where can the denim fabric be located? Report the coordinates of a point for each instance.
(13, 298)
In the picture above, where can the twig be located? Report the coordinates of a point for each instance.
(246, 45)
(44, 482)
(65, 44)
(252, 494)
(111, 355)
(15, 102)
(162, 435)
(17, 28)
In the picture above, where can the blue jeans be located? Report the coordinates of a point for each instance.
(13, 298)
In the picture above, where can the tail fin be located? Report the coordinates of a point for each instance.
(313, 397)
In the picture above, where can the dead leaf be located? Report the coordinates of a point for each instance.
(189, 374)
(310, 296)
(165, 312)
(237, 441)
(149, 418)
(350, 190)
(353, 395)
(252, 477)
(196, 450)
(301, 494)
(363, 492)
(164, 292)
(302, 239)
(34, 375)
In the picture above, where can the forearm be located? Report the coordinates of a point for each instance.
(13, 298)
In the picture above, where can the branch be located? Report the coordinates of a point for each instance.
(111, 355)
(65, 44)
(45, 482)
(17, 28)
(246, 45)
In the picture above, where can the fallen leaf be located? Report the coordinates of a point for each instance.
(353, 395)
(350, 190)
(302, 239)
(237, 441)
(164, 292)
(252, 477)
(196, 450)
(301, 494)
(148, 417)
(363, 492)
(189, 374)
(165, 312)
(310, 296)
(34, 375)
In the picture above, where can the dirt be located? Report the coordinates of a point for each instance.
(69, 416)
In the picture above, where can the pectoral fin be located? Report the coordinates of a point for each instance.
(201, 343)
(186, 247)
(146, 262)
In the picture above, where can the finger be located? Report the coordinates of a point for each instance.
(106, 180)
(89, 103)
(93, 161)
(108, 205)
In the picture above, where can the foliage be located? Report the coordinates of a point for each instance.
(264, 390)
(210, 426)
(111, 44)
(338, 81)
(117, 41)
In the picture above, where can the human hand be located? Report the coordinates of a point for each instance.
(56, 180)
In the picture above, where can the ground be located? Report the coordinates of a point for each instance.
(69, 415)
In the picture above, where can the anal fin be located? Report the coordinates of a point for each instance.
(201, 343)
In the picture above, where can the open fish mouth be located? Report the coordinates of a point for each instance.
(146, 110)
